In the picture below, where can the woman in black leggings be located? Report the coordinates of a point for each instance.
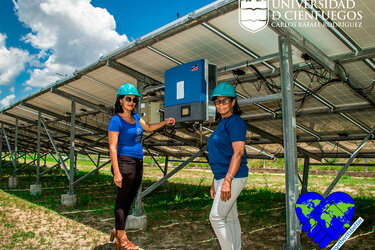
(131, 170)
(124, 135)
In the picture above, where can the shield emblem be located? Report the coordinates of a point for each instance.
(253, 14)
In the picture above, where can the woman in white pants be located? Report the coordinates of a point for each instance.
(227, 159)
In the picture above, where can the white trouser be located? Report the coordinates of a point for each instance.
(224, 216)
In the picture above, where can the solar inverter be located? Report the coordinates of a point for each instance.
(188, 88)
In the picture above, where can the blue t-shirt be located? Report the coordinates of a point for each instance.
(220, 150)
(129, 139)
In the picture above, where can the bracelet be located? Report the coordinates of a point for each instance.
(230, 175)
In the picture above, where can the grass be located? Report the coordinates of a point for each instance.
(84, 160)
(176, 212)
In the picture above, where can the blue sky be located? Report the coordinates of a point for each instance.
(40, 40)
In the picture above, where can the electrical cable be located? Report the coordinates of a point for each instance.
(190, 129)
(261, 76)
(318, 75)
(273, 85)
(363, 91)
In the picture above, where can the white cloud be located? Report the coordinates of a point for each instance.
(11, 90)
(27, 89)
(72, 33)
(12, 61)
(48, 75)
(7, 100)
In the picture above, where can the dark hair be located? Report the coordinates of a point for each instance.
(236, 110)
(118, 106)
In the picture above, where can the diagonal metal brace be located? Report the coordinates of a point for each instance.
(55, 148)
(10, 150)
(88, 174)
(154, 160)
(53, 167)
(174, 171)
(347, 164)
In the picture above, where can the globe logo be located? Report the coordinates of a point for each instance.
(325, 220)
(139, 135)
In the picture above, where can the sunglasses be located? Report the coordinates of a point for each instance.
(223, 101)
(129, 99)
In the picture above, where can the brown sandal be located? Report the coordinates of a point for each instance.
(125, 244)
(113, 235)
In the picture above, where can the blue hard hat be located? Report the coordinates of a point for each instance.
(127, 89)
(224, 89)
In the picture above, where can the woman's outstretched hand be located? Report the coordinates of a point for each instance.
(171, 120)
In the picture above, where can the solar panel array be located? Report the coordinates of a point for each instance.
(332, 116)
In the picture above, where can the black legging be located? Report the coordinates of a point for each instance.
(131, 170)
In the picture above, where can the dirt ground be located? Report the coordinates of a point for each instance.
(199, 235)
(38, 228)
(24, 225)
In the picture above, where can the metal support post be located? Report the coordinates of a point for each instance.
(138, 211)
(166, 165)
(12, 181)
(75, 163)
(45, 161)
(9, 148)
(38, 150)
(1, 151)
(347, 164)
(16, 150)
(36, 189)
(290, 144)
(97, 163)
(140, 90)
(72, 156)
(70, 199)
(305, 174)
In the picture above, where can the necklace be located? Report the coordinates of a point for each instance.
(127, 118)
(127, 115)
